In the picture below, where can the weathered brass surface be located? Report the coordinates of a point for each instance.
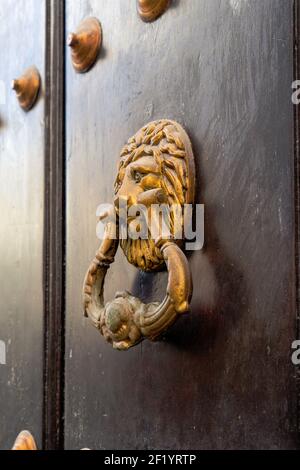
(27, 88)
(155, 166)
(161, 159)
(85, 44)
(25, 441)
(149, 10)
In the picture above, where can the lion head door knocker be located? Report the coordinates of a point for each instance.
(156, 169)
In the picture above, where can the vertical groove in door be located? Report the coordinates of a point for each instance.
(297, 191)
(54, 238)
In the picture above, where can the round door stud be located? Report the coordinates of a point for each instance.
(25, 441)
(85, 44)
(149, 10)
(27, 88)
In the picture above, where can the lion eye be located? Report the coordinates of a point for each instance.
(137, 176)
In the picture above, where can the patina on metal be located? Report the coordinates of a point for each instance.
(156, 165)
(149, 10)
(27, 88)
(85, 44)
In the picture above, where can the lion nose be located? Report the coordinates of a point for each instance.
(122, 203)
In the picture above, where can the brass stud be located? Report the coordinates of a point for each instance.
(27, 88)
(149, 10)
(85, 44)
(25, 441)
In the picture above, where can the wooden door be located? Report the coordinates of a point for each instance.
(22, 36)
(222, 377)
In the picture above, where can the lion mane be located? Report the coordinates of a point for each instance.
(159, 139)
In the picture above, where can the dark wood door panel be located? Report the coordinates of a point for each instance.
(22, 36)
(222, 376)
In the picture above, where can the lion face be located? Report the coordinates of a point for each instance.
(154, 161)
(140, 177)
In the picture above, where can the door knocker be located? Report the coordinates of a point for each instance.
(156, 166)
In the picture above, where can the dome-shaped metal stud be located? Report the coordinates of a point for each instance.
(25, 441)
(149, 10)
(85, 44)
(27, 88)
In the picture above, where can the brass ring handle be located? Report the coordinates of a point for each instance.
(126, 320)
